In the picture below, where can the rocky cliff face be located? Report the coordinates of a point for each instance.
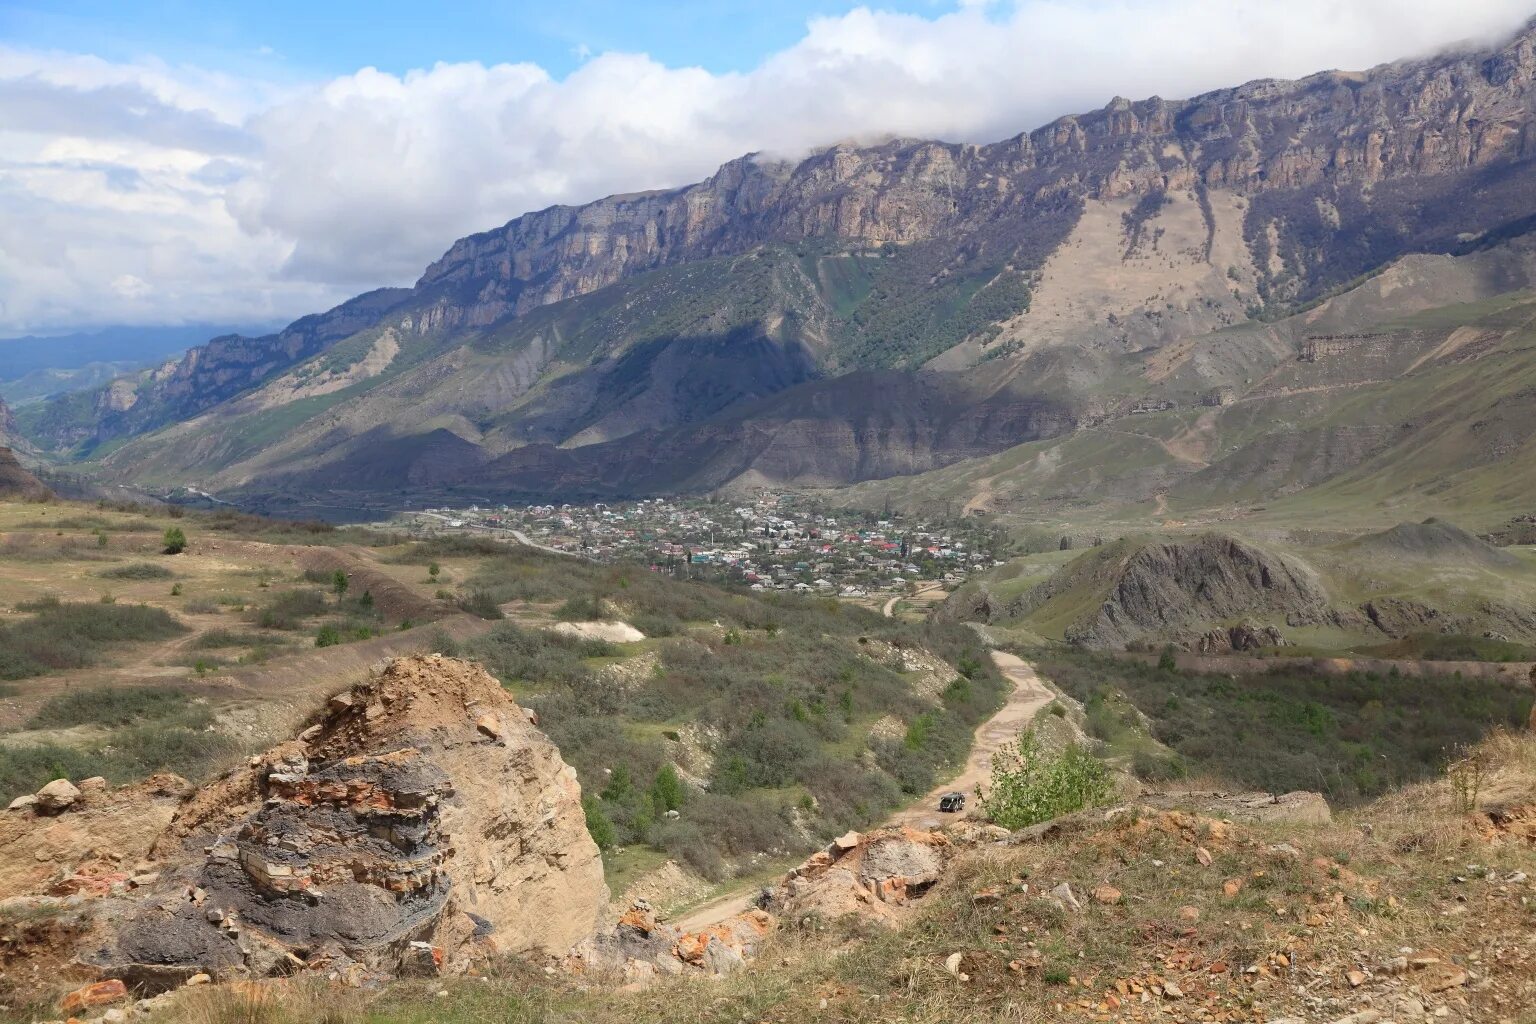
(1173, 591)
(1348, 132)
(421, 821)
(575, 326)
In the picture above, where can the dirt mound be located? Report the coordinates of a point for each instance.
(16, 483)
(392, 598)
(1435, 540)
(423, 818)
(1175, 590)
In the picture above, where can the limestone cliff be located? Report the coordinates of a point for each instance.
(577, 326)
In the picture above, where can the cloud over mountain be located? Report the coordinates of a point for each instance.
(150, 193)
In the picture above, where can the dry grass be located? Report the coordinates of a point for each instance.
(1364, 886)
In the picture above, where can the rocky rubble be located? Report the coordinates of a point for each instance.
(874, 876)
(52, 841)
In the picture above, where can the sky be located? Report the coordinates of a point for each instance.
(187, 162)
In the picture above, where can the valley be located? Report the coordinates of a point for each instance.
(600, 627)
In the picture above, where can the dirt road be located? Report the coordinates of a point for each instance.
(1028, 697)
(889, 611)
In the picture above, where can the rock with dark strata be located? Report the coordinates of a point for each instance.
(401, 839)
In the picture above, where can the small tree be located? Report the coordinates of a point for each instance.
(667, 791)
(1031, 785)
(175, 541)
(433, 570)
(598, 825)
(339, 584)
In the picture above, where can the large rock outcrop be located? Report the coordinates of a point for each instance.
(422, 818)
(16, 483)
(1173, 590)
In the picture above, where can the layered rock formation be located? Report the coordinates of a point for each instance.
(422, 819)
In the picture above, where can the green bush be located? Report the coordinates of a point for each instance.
(481, 603)
(175, 541)
(288, 609)
(137, 571)
(1031, 785)
(598, 825)
(217, 639)
(328, 636)
(1352, 736)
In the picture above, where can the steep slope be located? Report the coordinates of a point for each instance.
(1081, 244)
(1401, 397)
(16, 483)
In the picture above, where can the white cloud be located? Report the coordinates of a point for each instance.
(150, 193)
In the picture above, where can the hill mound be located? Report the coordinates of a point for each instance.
(1185, 590)
(16, 483)
(1434, 540)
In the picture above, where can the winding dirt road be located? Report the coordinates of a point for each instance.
(889, 611)
(1028, 697)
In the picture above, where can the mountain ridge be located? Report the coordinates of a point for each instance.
(1023, 265)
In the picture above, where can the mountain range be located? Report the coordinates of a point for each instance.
(1177, 303)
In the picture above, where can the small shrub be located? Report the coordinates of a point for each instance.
(116, 706)
(1030, 785)
(137, 571)
(289, 608)
(63, 635)
(481, 603)
(175, 541)
(328, 636)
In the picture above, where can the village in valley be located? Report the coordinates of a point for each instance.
(772, 541)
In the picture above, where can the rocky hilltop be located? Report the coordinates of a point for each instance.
(719, 325)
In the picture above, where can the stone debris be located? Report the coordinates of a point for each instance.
(101, 993)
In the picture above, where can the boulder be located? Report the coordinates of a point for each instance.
(400, 832)
(58, 795)
(101, 993)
